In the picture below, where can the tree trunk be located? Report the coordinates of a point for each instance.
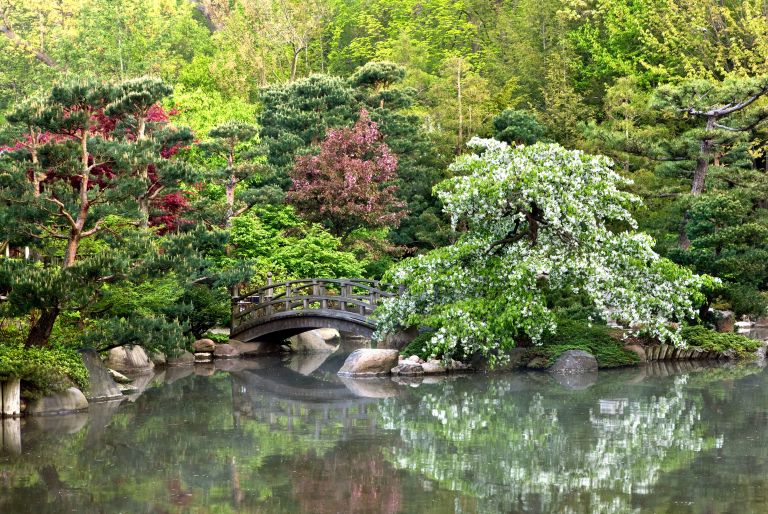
(461, 114)
(295, 63)
(40, 332)
(702, 162)
(699, 179)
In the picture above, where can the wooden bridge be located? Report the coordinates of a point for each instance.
(280, 310)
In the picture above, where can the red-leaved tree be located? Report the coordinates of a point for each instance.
(350, 183)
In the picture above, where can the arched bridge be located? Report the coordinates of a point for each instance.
(280, 310)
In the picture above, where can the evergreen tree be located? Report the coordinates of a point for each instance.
(73, 192)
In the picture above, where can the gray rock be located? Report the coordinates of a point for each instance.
(119, 377)
(433, 367)
(724, 320)
(225, 351)
(101, 384)
(129, 359)
(314, 341)
(158, 359)
(70, 400)
(574, 361)
(538, 363)
(637, 350)
(183, 359)
(203, 357)
(408, 368)
(203, 346)
(369, 362)
(414, 359)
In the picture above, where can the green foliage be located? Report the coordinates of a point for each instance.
(537, 221)
(42, 370)
(599, 340)
(706, 339)
(518, 127)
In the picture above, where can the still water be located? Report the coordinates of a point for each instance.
(286, 435)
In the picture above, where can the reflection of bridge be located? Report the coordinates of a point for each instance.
(279, 310)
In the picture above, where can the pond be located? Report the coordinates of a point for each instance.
(286, 435)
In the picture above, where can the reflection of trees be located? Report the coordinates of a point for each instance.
(504, 444)
(515, 452)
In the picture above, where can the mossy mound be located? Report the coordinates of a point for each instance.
(706, 339)
(599, 340)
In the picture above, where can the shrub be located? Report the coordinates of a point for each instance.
(42, 370)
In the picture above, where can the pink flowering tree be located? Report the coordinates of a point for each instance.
(350, 183)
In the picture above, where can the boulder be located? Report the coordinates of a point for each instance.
(538, 363)
(724, 320)
(368, 362)
(574, 361)
(637, 350)
(119, 377)
(415, 359)
(70, 400)
(183, 359)
(101, 385)
(203, 346)
(225, 351)
(408, 368)
(433, 367)
(158, 359)
(313, 341)
(203, 357)
(329, 335)
(129, 359)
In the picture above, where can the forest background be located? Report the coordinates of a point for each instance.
(673, 90)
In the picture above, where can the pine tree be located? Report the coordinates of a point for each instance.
(74, 192)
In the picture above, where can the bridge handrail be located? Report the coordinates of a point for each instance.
(298, 301)
(365, 284)
(358, 297)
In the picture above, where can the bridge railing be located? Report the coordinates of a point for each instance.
(357, 298)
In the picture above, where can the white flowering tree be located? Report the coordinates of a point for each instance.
(535, 220)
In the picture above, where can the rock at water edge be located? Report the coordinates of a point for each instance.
(71, 400)
(203, 346)
(408, 368)
(225, 351)
(369, 362)
(313, 341)
(101, 383)
(129, 359)
(574, 361)
(183, 359)
(724, 321)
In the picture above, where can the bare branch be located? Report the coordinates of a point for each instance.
(39, 54)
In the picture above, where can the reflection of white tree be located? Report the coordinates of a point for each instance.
(515, 454)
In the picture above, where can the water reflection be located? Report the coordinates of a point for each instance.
(288, 435)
